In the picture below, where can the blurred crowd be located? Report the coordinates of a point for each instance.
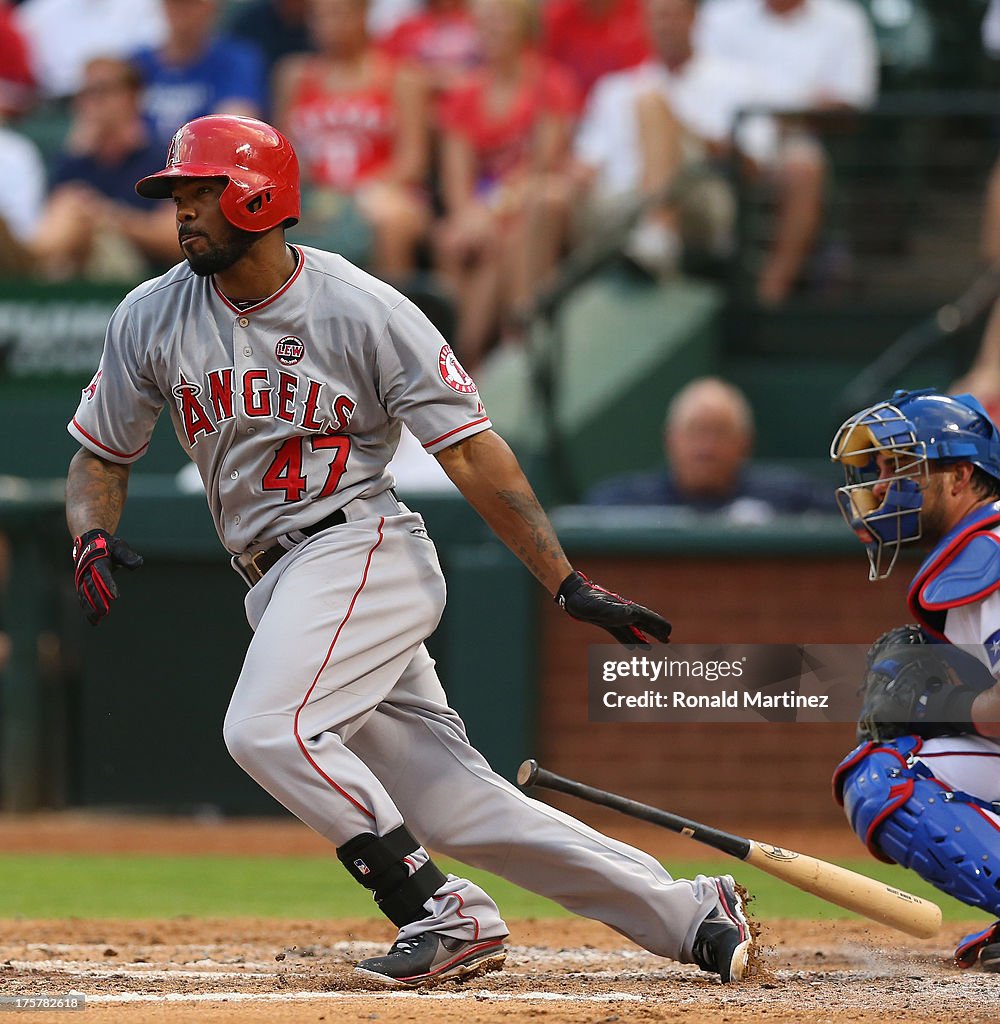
(475, 140)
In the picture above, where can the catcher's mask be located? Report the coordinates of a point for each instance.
(257, 161)
(881, 500)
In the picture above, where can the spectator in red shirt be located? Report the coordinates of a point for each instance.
(359, 123)
(506, 134)
(594, 37)
(17, 83)
(442, 39)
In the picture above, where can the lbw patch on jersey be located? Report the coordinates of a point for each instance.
(453, 372)
(290, 350)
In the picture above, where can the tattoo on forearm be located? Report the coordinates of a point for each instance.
(544, 543)
(95, 494)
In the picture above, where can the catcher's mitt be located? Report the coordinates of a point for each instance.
(903, 668)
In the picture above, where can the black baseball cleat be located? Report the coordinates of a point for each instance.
(723, 943)
(430, 958)
(989, 958)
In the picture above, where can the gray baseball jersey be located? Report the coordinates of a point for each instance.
(290, 408)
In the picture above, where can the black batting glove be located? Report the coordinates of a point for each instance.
(625, 620)
(96, 554)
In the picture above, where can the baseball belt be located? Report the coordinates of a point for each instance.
(256, 562)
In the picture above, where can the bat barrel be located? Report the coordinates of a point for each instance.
(850, 890)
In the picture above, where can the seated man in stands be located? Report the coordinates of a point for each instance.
(94, 225)
(668, 123)
(814, 55)
(708, 437)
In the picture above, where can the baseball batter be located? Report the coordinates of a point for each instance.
(923, 788)
(287, 373)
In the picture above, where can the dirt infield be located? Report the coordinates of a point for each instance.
(558, 971)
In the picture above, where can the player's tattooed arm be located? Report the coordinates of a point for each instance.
(487, 473)
(95, 493)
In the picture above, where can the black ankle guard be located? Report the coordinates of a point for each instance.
(377, 863)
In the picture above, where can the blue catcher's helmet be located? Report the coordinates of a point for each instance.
(910, 430)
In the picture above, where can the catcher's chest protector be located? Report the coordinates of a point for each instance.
(965, 566)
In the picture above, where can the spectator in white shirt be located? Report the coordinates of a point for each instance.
(813, 55)
(662, 124)
(21, 200)
(63, 35)
(818, 54)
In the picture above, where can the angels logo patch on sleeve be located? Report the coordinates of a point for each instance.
(91, 389)
(453, 373)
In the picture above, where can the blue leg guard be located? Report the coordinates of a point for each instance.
(903, 814)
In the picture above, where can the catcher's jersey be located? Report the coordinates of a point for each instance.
(291, 407)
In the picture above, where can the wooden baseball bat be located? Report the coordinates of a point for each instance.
(848, 889)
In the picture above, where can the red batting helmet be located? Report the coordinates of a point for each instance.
(256, 159)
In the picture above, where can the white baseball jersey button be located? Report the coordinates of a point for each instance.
(251, 430)
(243, 322)
(235, 473)
(248, 351)
(236, 519)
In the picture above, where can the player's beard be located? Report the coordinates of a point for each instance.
(220, 256)
(933, 522)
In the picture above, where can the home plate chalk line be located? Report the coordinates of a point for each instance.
(422, 996)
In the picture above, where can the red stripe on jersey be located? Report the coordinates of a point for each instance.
(271, 298)
(105, 448)
(474, 423)
(305, 700)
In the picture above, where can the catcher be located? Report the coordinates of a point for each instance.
(923, 787)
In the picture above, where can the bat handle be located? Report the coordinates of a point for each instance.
(532, 774)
